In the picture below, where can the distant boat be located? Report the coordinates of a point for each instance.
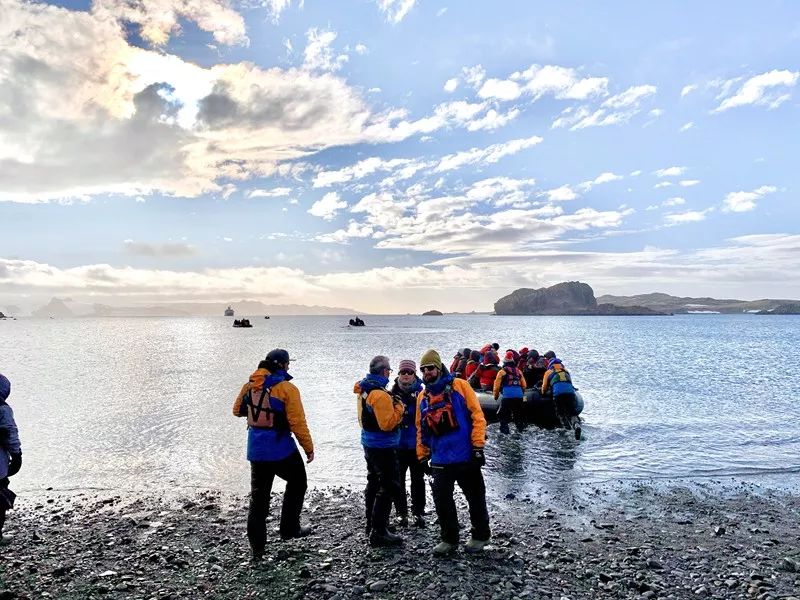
(357, 322)
(242, 323)
(266, 316)
(229, 312)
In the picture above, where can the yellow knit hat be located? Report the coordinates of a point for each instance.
(431, 357)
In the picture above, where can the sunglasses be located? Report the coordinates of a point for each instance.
(428, 368)
(406, 372)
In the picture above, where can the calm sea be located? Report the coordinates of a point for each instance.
(145, 403)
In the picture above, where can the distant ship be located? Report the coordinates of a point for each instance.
(229, 312)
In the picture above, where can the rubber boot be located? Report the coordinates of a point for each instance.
(474, 545)
(443, 549)
(384, 540)
(505, 429)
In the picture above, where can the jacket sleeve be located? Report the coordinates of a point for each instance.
(237, 404)
(297, 417)
(545, 381)
(388, 413)
(522, 382)
(423, 443)
(498, 383)
(476, 412)
(12, 444)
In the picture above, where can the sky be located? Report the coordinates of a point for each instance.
(396, 155)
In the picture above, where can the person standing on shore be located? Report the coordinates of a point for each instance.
(406, 388)
(451, 433)
(10, 453)
(274, 412)
(380, 416)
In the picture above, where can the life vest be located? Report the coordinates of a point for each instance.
(511, 384)
(260, 412)
(560, 381)
(369, 422)
(439, 418)
(487, 374)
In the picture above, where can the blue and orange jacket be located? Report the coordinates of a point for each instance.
(378, 413)
(558, 378)
(510, 383)
(270, 428)
(408, 427)
(455, 446)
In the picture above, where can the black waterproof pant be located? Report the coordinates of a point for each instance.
(3, 485)
(512, 408)
(470, 480)
(383, 486)
(565, 405)
(408, 462)
(291, 469)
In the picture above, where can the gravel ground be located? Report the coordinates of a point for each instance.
(623, 541)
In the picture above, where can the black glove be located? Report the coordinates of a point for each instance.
(478, 458)
(425, 463)
(15, 464)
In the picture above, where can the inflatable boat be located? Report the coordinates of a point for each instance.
(539, 410)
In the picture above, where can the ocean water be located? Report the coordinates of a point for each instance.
(145, 403)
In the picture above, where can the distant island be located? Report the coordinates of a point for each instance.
(432, 313)
(567, 298)
(66, 307)
(684, 305)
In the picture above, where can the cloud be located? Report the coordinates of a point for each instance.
(361, 49)
(167, 250)
(662, 184)
(490, 154)
(342, 236)
(676, 201)
(691, 216)
(687, 126)
(395, 10)
(759, 90)
(319, 55)
(536, 81)
(560, 194)
(606, 177)
(94, 114)
(688, 182)
(616, 110)
(404, 168)
(158, 20)
(450, 85)
(688, 89)
(502, 191)
(630, 97)
(327, 206)
(670, 172)
(271, 193)
(746, 201)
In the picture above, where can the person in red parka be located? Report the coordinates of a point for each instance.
(486, 373)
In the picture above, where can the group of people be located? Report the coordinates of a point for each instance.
(520, 370)
(429, 425)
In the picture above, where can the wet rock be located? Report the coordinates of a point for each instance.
(378, 586)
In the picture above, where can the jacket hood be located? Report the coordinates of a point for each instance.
(5, 388)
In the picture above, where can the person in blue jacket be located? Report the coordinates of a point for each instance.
(10, 453)
(405, 389)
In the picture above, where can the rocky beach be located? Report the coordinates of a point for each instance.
(640, 540)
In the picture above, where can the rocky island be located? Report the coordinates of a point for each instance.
(432, 313)
(567, 298)
(790, 308)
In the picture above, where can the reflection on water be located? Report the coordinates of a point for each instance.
(146, 403)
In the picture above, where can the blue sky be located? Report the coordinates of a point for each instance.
(396, 155)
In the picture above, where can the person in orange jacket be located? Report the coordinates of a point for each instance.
(380, 417)
(274, 412)
(510, 383)
(451, 433)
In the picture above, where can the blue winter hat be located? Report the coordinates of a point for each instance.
(5, 388)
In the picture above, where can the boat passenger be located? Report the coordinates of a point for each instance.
(487, 372)
(472, 364)
(380, 417)
(274, 412)
(523, 357)
(406, 388)
(534, 369)
(451, 433)
(462, 364)
(509, 387)
(456, 361)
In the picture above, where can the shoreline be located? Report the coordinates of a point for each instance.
(628, 541)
